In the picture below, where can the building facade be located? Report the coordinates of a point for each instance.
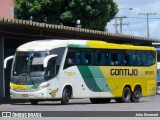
(7, 9)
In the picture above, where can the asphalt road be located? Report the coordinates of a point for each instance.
(83, 108)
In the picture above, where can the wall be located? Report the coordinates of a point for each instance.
(6, 9)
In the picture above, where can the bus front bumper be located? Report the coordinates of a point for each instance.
(40, 94)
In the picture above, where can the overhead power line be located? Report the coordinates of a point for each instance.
(142, 18)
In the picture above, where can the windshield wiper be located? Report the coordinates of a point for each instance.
(21, 76)
(27, 78)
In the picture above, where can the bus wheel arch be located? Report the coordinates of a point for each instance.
(136, 94)
(66, 94)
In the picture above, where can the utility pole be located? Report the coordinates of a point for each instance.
(147, 14)
(116, 25)
(121, 24)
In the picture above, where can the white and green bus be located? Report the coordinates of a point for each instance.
(68, 69)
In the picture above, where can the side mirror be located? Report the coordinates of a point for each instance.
(7, 59)
(45, 62)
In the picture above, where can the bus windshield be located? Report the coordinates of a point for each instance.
(27, 66)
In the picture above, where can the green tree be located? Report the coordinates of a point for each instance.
(94, 14)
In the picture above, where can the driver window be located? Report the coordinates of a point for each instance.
(51, 69)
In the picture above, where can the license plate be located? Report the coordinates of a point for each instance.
(24, 95)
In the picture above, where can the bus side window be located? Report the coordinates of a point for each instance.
(70, 58)
(143, 58)
(114, 58)
(98, 57)
(89, 57)
(107, 58)
(86, 57)
(92, 58)
(120, 57)
(77, 57)
(103, 61)
(150, 58)
(83, 59)
(140, 58)
(131, 57)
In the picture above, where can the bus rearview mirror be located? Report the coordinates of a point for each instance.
(7, 59)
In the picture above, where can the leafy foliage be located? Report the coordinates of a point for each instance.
(94, 14)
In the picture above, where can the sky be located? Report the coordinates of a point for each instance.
(138, 23)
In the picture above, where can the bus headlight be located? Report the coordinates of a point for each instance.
(43, 86)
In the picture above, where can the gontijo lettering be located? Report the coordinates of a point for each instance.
(124, 72)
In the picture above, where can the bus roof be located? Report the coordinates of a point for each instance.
(46, 45)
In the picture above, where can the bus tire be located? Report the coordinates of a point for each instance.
(126, 95)
(65, 96)
(136, 95)
(34, 102)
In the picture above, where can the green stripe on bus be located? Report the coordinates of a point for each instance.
(99, 78)
(35, 86)
(96, 71)
(78, 46)
(89, 79)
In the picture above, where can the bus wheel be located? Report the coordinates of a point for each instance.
(34, 102)
(136, 95)
(65, 96)
(126, 95)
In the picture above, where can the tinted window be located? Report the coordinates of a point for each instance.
(109, 57)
